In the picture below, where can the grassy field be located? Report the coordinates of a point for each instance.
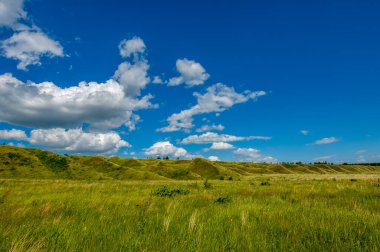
(263, 212)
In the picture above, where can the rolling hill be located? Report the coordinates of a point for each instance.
(18, 162)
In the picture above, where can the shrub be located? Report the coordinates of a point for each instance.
(165, 191)
(221, 178)
(265, 183)
(206, 184)
(222, 200)
(353, 180)
(230, 178)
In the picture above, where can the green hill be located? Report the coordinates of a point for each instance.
(18, 162)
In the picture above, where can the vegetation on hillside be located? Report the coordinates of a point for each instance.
(34, 163)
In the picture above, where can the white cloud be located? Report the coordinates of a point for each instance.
(326, 140)
(305, 132)
(77, 141)
(254, 155)
(132, 77)
(29, 46)
(204, 128)
(323, 158)
(221, 146)
(211, 137)
(191, 73)
(13, 134)
(132, 47)
(11, 11)
(157, 80)
(45, 105)
(29, 43)
(166, 148)
(218, 98)
(213, 158)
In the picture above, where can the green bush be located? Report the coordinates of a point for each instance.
(223, 200)
(165, 191)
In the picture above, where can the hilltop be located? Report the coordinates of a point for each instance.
(18, 162)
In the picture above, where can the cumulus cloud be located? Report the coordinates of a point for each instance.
(166, 148)
(157, 80)
(45, 105)
(77, 141)
(132, 77)
(217, 98)
(132, 47)
(213, 158)
(29, 43)
(11, 11)
(323, 158)
(253, 155)
(204, 128)
(211, 137)
(326, 140)
(13, 134)
(29, 46)
(191, 73)
(221, 146)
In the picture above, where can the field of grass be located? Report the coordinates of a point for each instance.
(54, 202)
(263, 212)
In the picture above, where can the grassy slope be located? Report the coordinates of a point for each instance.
(34, 163)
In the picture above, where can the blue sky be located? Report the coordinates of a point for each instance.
(269, 80)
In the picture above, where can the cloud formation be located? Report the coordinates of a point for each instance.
(29, 46)
(204, 128)
(253, 155)
(217, 98)
(166, 148)
(11, 11)
(77, 141)
(221, 146)
(13, 134)
(211, 137)
(45, 105)
(213, 158)
(29, 43)
(132, 47)
(69, 140)
(191, 73)
(326, 140)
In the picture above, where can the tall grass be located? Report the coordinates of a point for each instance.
(286, 215)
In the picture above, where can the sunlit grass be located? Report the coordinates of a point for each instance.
(292, 213)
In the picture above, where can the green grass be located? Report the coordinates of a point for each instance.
(54, 202)
(294, 212)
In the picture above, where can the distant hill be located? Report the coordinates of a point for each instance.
(18, 162)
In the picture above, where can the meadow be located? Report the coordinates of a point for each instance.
(261, 213)
(51, 202)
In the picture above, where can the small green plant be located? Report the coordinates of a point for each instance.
(265, 183)
(230, 178)
(221, 178)
(353, 180)
(165, 191)
(206, 184)
(222, 200)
